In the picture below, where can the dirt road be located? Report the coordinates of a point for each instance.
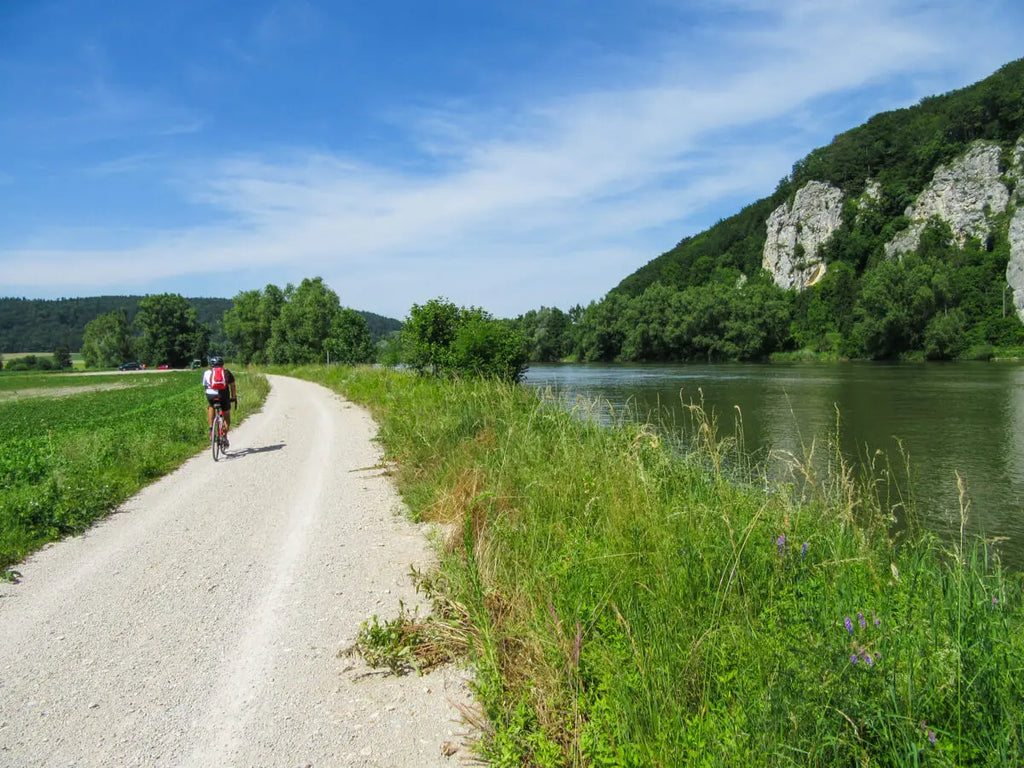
(201, 624)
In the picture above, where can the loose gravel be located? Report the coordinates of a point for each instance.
(201, 624)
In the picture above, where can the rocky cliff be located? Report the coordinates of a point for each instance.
(969, 194)
(966, 194)
(796, 232)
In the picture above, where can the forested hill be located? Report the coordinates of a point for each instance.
(899, 149)
(42, 325)
(903, 238)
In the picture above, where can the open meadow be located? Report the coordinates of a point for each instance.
(73, 446)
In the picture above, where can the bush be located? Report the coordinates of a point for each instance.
(445, 340)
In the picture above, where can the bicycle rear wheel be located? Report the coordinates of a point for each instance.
(215, 437)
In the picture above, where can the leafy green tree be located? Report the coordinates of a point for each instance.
(169, 331)
(490, 348)
(62, 358)
(391, 350)
(350, 342)
(428, 334)
(549, 337)
(443, 339)
(944, 338)
(107, 340)
(304, 323)
(250, 321)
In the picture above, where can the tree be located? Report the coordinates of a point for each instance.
(169, 331)
(107, 340)
(489, 348)
(250, 321)
(62, 358)
(304, 323)
(350, 342)
(428, 333)
(443, 339)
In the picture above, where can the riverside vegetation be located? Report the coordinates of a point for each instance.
(67, 461)
(631, 602)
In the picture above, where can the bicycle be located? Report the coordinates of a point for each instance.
(218, 432)
(218, 436)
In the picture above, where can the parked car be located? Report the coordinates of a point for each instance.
(163, 367)
(195, 364)
(130, 367)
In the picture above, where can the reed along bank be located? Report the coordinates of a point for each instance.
(632, 603)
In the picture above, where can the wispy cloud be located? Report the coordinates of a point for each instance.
(553, 206)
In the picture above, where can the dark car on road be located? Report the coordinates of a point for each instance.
(130, 367)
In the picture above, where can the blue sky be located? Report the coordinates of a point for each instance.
(507, 155)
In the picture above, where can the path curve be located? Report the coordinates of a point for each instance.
(201, 624)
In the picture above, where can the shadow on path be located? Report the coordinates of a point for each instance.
(249, 451)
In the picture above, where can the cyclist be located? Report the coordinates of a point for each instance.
(219, 384)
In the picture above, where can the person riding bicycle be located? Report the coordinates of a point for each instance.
(219, 384)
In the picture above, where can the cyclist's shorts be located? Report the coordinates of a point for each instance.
(223, 397)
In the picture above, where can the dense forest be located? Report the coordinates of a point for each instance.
(709, 298)
(43, 325)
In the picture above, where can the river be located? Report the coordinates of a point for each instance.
(965, 418)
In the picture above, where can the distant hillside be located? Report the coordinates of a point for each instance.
(42, 325)
(899, 150)
(903, 238)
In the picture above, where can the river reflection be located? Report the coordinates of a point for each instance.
(966, 418)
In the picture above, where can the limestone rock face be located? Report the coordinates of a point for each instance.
(795, 234)
(1015, 267)
(964, 194)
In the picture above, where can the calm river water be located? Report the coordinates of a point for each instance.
(965, 417)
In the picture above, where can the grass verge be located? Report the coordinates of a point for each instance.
(631, 604)
(67, 461)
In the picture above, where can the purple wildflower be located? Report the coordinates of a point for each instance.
(868, 660)
(860, 618)
(803, 551)
(781, 542)
(878, 621)
(995, 600)
(849, 625)
(853, 658)
(928, 731)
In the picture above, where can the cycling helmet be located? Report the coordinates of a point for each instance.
(216, 361)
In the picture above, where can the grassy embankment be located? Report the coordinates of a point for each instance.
(631, 606)
(66, 461)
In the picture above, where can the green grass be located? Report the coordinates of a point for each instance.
(67, 461)
(632, 604)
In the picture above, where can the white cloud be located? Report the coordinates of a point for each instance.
(553, 207)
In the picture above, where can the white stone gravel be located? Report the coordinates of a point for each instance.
(201, 624)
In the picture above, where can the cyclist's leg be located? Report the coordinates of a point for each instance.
(225, 402)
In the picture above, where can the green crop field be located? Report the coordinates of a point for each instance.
(73, 447)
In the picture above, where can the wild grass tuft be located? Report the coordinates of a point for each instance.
(635, 602)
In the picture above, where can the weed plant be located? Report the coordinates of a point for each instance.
(67, 461)
(633, 604)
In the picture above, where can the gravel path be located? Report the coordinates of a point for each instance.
(201, 624)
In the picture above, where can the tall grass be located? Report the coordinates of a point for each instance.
(67, 461)
(634, 604)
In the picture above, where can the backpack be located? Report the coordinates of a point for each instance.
(217, 379)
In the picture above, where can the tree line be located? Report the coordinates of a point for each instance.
(304, 324)
(36, 325)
